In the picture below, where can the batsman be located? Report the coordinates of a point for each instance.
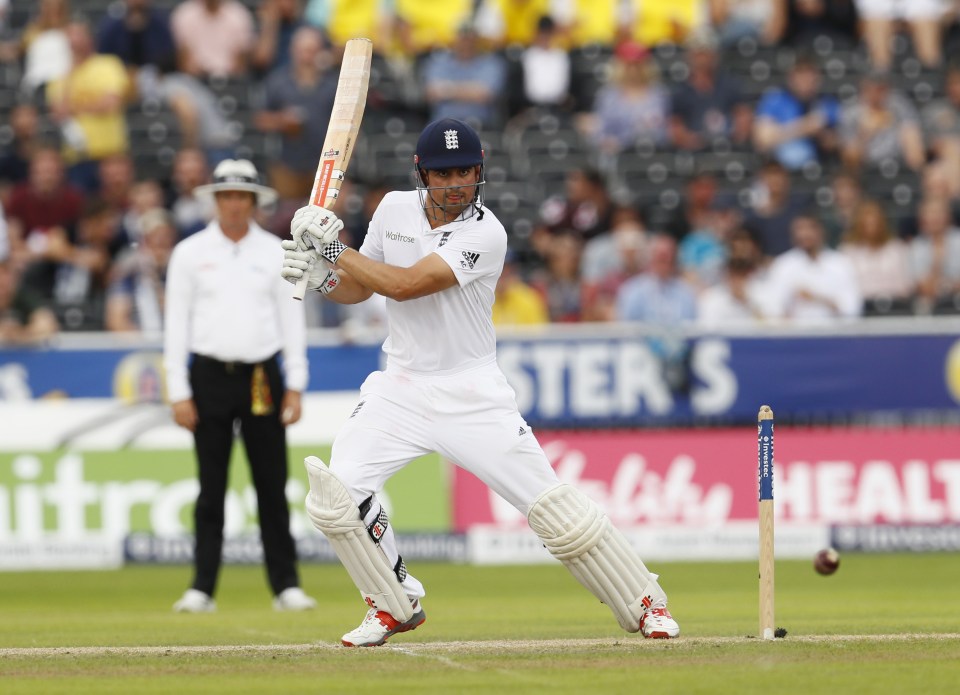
(436, 254)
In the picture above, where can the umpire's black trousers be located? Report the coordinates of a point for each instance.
(222, 394)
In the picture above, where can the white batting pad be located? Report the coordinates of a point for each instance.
(333, 512)
(579, 534)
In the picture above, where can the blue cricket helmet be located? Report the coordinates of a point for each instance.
(447, 144)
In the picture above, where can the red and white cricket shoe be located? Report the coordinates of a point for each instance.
(657, 623)
(378, 626)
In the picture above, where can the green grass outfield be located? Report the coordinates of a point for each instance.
(882, 623)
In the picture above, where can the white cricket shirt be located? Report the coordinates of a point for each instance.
(226, 300)
(449, 331)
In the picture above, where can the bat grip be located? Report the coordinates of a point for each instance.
(301, 289)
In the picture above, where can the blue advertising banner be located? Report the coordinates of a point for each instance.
(606, 378)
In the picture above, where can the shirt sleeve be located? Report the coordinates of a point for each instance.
(372, 246)
(475, 253)
(176, 321)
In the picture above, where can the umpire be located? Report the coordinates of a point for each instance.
(229, 316)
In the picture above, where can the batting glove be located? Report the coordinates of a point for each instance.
(315, 227)
(297, 263)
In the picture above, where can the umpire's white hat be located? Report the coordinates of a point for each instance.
(237, 175)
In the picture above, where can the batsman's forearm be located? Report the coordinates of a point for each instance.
(388, 280)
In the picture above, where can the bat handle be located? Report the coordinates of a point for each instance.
(301, 289)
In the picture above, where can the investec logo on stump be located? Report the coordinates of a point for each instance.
(394, 236)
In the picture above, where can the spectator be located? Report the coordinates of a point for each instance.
(15, 159)
(425, 26)
(838, 217)
(595, 24)
(797, 124)
(633, 106)
(808, 19)
(700, 199)
(546, 68)
(709, 105)
(880, 260)
(941, 124)
(773, 207)
(80, 278)
(658, 296)
(935, 256)
(601, 255)
(811, 283)
(279, 21)
(464, 83)
(340, 22)
(202, 123)
(761, 20)
(737, 300)
(24, 318)
(880, 124)
(139, 35)
(922, 17)
(89, 104)
(214, 38)
(517, 303)
(520, 22)
(117, 178)
(654, 23)
(190, 212)
(43, 210)
(744, 244)
(45, 46)
(559, 282)
(145, 196)
(136, 291)
(616, 257)
(298, 101)
(584, 207)
(703, 252)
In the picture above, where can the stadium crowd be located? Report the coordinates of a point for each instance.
(702, 162)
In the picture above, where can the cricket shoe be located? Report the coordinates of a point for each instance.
(657, 623)
(378, 626)
(194, 601)
(293, 599)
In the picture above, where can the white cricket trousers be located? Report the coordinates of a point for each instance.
(470, 418)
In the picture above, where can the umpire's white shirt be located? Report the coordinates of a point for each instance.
(226, 300)
(452, 330)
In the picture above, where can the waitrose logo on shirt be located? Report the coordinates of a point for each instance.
(394, 236)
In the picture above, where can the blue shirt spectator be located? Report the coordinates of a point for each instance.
(658, 296)
(465, 84)
(796, 123)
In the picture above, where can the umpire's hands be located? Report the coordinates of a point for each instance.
(296, 263)
(315, 227)
(185, 414)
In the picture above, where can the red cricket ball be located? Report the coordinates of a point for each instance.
(826, 561)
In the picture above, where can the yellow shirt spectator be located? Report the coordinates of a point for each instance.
(432, 24)
(87, 91)
(512, 21)
(653, 23)
(595, 21)
(355, 18)
(517, 303)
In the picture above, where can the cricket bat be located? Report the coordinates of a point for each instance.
(342, 132)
